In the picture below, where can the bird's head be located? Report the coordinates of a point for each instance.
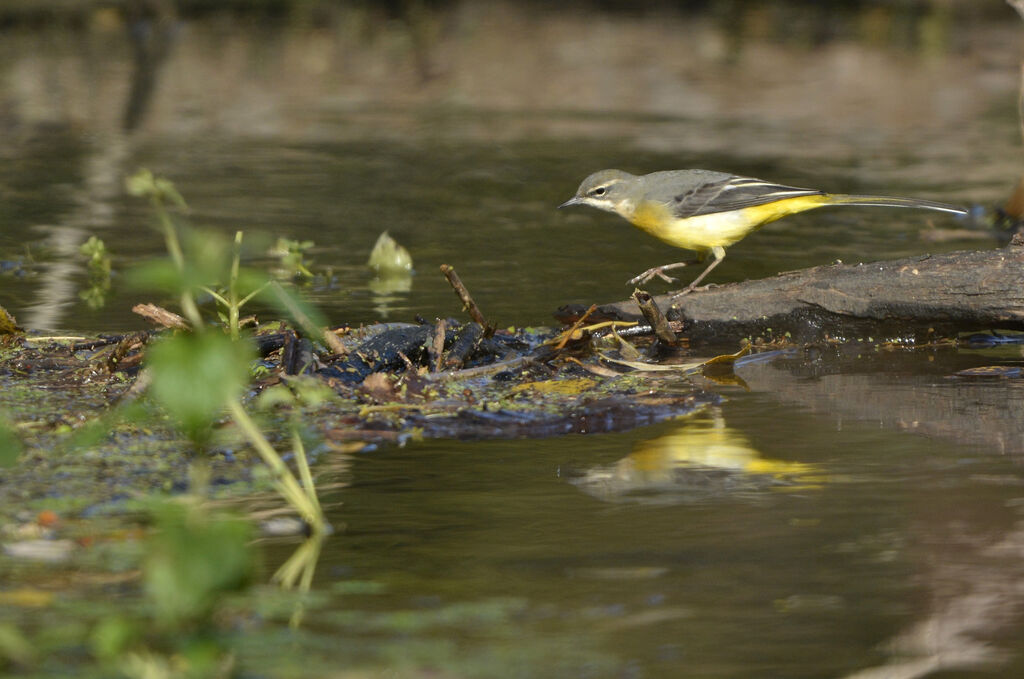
(606, 190)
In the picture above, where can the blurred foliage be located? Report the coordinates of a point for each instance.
(206, 264)
(10, 445)
(197, 575)
(194, 558)
(98, 267)
(291, 255)
(194, 377)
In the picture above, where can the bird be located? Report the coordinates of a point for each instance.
(707, 211)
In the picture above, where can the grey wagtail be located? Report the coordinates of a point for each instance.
(708, 211)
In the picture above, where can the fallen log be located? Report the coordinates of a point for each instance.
(914, 299)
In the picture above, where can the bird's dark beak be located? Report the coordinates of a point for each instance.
(575, 200)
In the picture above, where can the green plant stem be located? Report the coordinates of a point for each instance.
(288, 486)
(170, 234)
(233, 304)
(302, 462)
(188, 303)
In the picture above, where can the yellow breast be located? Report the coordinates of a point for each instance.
(718, 229)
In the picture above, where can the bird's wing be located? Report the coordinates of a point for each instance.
(731, 193)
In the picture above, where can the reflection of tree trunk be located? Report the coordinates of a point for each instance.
(152, 26)
(974, 572)
(102, 176)
(874, 386)
(978, 594)
(420, 21)
(914, 297)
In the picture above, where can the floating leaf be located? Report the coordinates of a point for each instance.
(388, 258)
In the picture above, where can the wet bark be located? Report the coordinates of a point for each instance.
(917, 298)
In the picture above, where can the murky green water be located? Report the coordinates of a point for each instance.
(489, 210)
(613, 556)
(836, 516)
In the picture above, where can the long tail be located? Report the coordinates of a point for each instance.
(887, 201)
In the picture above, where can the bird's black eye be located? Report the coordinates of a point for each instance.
(599, 191)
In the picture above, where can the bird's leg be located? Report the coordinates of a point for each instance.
(719, 253)
(659, 271)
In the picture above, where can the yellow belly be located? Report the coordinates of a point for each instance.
(719, 229)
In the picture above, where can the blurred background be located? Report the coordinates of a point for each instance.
(459, 126)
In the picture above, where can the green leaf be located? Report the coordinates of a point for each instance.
(141, 184)
(249, 281)
(15, 646)
(145, 185)
(195, 375)
(302, 313)
(193, 559)
(157, 274)
(112, 636)
(207, 264)
(388, 258)
(10, 446)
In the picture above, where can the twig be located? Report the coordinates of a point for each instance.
(467, 302)
(59, 338)
(466, 342)
(649, 308)
(640, 330)
(567, 335)
(128, 343)
(160, 316)
(436, 348)
(479, 371)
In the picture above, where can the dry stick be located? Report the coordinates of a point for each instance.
(160, 316)
(481, 370)
(436, 348)
(127, 343)
(465, 343)
(649, 308)
(467, 302)
(567, 335)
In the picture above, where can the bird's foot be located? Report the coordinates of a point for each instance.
(692, 288)
(658, 271)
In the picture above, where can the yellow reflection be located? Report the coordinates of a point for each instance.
(297, 572)
(702, 454)
(388, 289)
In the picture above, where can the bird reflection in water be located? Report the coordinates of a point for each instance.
(701, 458)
